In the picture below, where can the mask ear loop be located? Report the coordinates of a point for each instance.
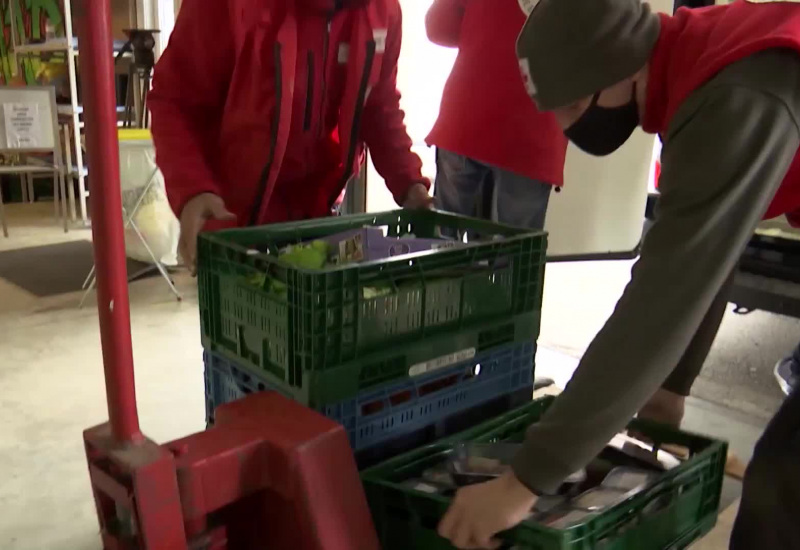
(596, 96)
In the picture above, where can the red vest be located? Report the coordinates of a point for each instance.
(695, 44)
(485, 112)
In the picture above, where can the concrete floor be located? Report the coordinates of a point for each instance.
(52, 380)
(51, 376)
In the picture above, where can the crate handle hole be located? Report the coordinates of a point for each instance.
(372, 407)
(438, 385)
(400, 397)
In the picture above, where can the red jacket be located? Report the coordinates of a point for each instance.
(267, 103)
(695, 44)
(486, 113)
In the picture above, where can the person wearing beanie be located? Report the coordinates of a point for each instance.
(488, 132)
(262, 110)
(721, 86)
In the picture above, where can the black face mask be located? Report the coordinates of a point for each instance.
(602, 130)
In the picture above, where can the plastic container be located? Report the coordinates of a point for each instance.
(331, 317)
(397, 409)
(343, 381)
(598, 499)
(628, 479)
(480, 462)
(369, 244)
(441, 428)
(675, 510)
(155, 222)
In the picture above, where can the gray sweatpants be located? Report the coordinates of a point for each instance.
(725, 154)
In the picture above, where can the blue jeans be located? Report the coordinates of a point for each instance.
(517, 200)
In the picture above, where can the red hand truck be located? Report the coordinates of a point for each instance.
(270, 474)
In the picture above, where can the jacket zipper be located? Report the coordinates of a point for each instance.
(362, 93)
(262, 184)
(309, 93)
(324, 69)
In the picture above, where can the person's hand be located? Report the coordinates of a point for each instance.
(194, 215)
(418, 197)
(479, 512)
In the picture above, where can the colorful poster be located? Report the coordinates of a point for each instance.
(29, 19)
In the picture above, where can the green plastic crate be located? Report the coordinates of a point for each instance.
(324, 322)
(344, 381)
(672, 514)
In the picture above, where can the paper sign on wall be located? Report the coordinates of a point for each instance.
(23, 128)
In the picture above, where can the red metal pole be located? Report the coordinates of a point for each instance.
(102, 147)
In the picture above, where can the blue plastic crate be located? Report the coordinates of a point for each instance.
(397, 408)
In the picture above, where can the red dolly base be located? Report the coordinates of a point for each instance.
(270, 474)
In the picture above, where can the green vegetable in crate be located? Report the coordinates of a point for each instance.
(256, 279)
(313, 255)
(278, 288)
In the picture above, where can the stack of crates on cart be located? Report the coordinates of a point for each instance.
(377, 321)
(670, 506)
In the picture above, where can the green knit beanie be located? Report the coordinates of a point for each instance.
(571, 49)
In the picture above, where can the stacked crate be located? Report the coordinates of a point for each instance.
(671, 513)
(401, 350)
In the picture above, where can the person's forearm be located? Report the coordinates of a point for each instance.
(728, 155)
(181, 154)
(189, 86)
(385, 134)
(393, 159)
(383, 126)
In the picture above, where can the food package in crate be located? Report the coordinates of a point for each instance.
(608, 480)
(478, 462)
(627, 500)
(356, 245)
(369, 243)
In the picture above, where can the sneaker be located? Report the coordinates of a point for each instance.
(787, 373)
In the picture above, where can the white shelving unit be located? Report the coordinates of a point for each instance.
(68, 45)
(69, 115)
(149, 14)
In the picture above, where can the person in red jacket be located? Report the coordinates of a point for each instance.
(721, 85)
(488, 131)
(261, 110)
